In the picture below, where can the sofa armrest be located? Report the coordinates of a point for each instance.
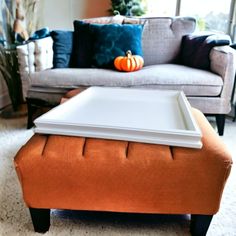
(43, 54)
(223, 63)
(33, 57)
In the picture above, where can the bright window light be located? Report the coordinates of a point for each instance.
(210, 14)
(160, 7)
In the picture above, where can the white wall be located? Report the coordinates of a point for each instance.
(60, 14)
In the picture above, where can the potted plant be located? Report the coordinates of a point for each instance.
(10, 73)
(19, 20)
(127, 7)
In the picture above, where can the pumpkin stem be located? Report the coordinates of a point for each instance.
(128, 53)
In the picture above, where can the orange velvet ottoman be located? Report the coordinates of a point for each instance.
(62, 172)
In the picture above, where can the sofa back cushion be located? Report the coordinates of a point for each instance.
(162, 36)
(118, 19)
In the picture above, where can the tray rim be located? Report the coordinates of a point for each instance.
(48, 128)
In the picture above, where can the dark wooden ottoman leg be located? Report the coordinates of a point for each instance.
(40, 219)
(220, 122)
(30, 123)
(200, 224)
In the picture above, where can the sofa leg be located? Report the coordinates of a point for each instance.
(37, 107)
(30, 109)
(200, 224)
(40, 219)
(220, 122)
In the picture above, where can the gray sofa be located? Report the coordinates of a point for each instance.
(208, 90)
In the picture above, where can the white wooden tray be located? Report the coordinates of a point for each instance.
(142, 115)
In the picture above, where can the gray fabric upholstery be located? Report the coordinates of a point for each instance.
(34, 56)
(201, 83)
(223, 63)
(211, 105)
(209, 91)
(162, 38)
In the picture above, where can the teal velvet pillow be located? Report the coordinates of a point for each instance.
(114, 40)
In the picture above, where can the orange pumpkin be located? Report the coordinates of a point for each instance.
(129, 62)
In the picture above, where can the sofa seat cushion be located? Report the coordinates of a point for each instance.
(193, 82)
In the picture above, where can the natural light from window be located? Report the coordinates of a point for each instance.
(210, 14)
(160, 7)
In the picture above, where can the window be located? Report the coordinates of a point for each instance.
(211, 15)
(160, 7)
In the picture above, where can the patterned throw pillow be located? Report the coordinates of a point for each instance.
(115, 40)
(84, 41)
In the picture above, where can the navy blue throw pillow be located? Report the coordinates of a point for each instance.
(114, 40)
(83, 45)
(233, 45)
(196, 49)
(62, 48)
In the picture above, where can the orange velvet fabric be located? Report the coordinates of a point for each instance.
(63, 172)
